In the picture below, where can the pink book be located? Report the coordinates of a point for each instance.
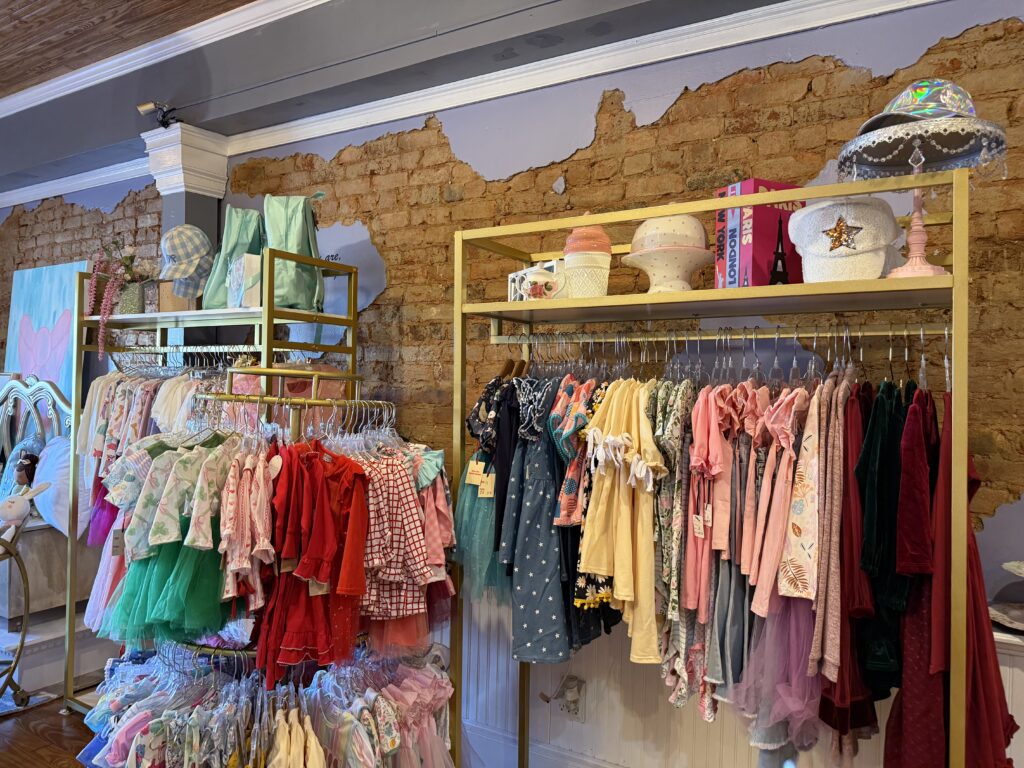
(753, 245)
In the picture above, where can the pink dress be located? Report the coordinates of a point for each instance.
(111, 571)
(764, 500)
(705, 462)
(723, 432)
(754, 409)
(786, 422)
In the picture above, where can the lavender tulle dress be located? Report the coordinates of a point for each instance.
(776, 693)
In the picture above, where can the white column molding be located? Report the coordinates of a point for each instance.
(183, 158)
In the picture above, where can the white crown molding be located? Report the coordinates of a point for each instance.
(133, 169)
(249, 16)
(736, 29)
(183, 158)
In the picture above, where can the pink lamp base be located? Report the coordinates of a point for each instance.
(917, 267)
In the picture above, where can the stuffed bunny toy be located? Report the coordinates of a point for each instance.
(14, 509)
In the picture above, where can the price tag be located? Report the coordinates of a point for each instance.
(318, 588)
(117, 543)
(698, 526)
(476, 473)
(487, 486)
(707, 514)
(289, 565)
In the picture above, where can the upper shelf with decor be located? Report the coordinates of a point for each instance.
(840, 296)
(933, 290)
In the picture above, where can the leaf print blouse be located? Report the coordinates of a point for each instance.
(798, 571)
(176, 495)
(206, 497)
(125, 478)
(136, 535)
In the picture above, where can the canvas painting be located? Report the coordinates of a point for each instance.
(39, 328)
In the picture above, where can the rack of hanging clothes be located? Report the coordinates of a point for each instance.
(296, 544)
(154, 390)
(772, 524)
(173, 706)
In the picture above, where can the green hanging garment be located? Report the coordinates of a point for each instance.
(290, 227)
(243, 233)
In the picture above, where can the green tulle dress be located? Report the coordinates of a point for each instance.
(189, 605)
(175, 594)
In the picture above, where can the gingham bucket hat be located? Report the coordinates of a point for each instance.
(187, 259)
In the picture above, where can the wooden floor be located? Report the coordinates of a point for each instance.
(42, 738)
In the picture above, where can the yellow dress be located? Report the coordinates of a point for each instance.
(595, 546)
(646, 466)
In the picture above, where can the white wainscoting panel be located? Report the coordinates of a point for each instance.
(628, 722)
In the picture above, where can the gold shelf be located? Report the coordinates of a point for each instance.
(848, 296)
(182, 319)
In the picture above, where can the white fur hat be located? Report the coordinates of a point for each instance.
(854, 249)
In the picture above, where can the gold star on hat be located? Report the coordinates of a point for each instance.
(842, 234)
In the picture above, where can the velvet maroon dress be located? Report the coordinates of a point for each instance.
(990, 726)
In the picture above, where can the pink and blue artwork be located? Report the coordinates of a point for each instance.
(39, 329)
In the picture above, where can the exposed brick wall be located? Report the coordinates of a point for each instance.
(56, 232)
(783, 121)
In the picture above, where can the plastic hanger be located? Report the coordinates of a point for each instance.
(890, 377)
(776, 377)
(922, 367)
(732, 375)
(744, 373)
(795, 376)
(906, 355)
(716, 375)
(756, 374)
(945, 362)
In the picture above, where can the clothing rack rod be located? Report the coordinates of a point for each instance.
(295, 373)
(209, 650)
(757, 333)
(294, 402)
(208, 348)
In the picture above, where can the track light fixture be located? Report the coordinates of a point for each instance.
(164, 112)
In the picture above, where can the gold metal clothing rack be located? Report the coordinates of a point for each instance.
(263, 321)
(947, 291)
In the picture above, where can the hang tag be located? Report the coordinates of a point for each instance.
(476, 473)
(707, 514)
(318, 588)
(698, 526)
(487, 486)
(117, 543)
(289, 565)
